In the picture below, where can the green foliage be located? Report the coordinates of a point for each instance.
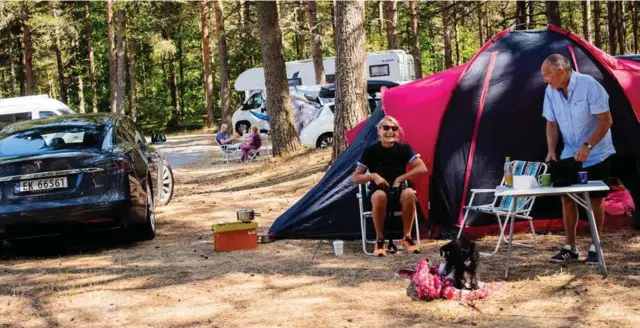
(171, 29)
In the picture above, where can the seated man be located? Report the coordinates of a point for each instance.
(226, 141)
(387, 162)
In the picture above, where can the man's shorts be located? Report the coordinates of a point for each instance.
(393, 195)
(600, 171)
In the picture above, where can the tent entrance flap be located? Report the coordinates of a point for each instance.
(472, 150)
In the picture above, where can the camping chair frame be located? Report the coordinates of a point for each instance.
(500, 206)
(362, 191)
(227, 151)
(252, 154)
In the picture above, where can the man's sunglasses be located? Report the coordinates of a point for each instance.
(387, 127)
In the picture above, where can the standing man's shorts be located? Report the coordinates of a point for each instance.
(600, 171)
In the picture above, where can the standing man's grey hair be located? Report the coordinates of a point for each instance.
(558, 62)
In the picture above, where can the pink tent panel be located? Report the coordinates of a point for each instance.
(419, 106)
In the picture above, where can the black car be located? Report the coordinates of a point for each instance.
(88, 171)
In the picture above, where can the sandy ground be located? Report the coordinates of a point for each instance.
(177, 280)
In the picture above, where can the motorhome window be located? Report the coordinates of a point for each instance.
(331, 78)
(379, 70)
(255, 101)
(294, 82)
(332, 107)
(47, 114)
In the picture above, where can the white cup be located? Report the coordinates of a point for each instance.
(338, 247)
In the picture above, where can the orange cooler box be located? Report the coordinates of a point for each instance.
(233, 236)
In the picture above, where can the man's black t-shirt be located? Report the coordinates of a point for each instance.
(389, 163)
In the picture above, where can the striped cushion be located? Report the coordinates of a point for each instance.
(521, 168)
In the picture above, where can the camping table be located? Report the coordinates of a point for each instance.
(578, 192)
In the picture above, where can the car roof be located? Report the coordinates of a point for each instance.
(96, 119)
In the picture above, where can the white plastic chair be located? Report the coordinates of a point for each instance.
(228, 150)
(365, 215)
(501, 205)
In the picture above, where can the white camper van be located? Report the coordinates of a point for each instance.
(26, 108)
(391, 65)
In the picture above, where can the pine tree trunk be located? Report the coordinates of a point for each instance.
(206, 59)
(81, 94)
(611, 20)
(481, 18)
(634, 24)
(29, 77)
(532, 17)
(302, 31)
(446, 27)
(59, 63)
(241, 18)
(586, 20)
(392, 25)
(283, 133)
(225, 91)
(332, 11)
(457, 40)
(553, 13)
(12, 65)
(121, 63)
(351, 106)
(92, 66)
(381, 16)
(180, 55)
(621, 31)
(597, 35)
(316, 43)
(415, 37)
(113, 81)
(131, 42)
(173, 84)
(521, 15)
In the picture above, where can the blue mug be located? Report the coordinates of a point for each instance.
(583, 178)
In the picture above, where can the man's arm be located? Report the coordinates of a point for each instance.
(360, 177)
(552, 140)
(418, 168)
(604, 124)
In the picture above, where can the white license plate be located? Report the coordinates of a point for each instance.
(42, 184)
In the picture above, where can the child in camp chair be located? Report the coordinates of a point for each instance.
(386, 162)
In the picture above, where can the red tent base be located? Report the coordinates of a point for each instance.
(543, 226)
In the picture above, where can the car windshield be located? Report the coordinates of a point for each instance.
(50, 139)
(66, 111)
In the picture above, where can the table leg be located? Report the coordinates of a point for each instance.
(510, 216)
(594, 234)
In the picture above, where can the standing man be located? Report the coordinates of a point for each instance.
(578, 106)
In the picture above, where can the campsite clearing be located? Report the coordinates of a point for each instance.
(177, 280)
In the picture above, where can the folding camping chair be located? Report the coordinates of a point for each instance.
(228, 150)
(501, 205)
(363, 192)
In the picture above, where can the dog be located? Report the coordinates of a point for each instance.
(462, 260)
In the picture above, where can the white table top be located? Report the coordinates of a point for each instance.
(548, 191)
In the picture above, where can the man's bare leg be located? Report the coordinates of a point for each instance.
(570, 218)
(379, 211)
(408, 203)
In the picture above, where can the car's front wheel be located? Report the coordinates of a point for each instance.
(325, 140)
(166, 189)
(147, 229)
